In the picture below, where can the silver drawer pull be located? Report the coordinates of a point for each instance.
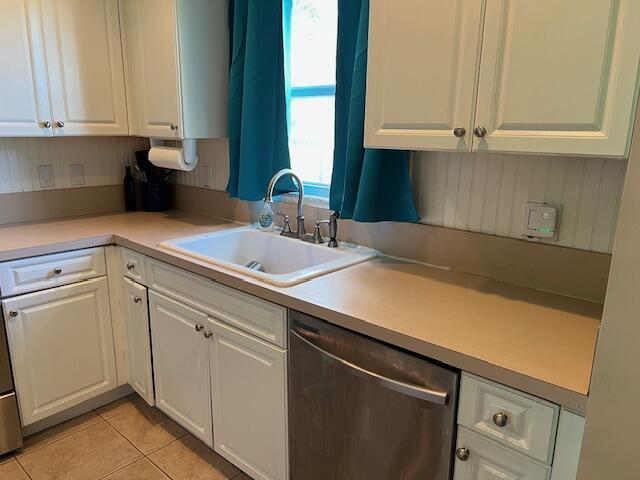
(57, 271)
(13, 313)
(208, 333)
(500, 419)
(131, 266)
(199, 327)
(463, 454)
(416, 391)
(137, 299)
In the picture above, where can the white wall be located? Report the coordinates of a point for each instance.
(102, 159)
(487, 192)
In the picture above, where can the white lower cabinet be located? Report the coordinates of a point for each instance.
(181, 365)
(488, 460)
(248, 379)
(61, 346)
(568, 446)
(138, 340)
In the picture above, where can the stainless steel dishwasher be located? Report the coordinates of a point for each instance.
(360, 409)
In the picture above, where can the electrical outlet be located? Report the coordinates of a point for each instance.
(76, 171)
(45, 176)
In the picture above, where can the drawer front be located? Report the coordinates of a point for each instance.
(519, 421)
(488, 460)
(252, 315)
(133, 265)
(47, 271)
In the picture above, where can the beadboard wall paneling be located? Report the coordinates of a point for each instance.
(212, 170)
(487, 192)
(102, 159)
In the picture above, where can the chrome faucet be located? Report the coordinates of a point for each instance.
(300, 232)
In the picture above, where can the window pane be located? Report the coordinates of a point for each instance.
(314, 25)
(311, 138)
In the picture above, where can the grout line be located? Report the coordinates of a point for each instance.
(121, 468)
(35, 449)
(128, 441)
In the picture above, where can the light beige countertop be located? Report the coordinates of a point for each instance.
(534, 341)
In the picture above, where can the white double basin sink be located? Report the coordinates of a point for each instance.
(283, 261)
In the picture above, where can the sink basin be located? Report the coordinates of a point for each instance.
(286, 261)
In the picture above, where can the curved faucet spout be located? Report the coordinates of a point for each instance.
(269, 195)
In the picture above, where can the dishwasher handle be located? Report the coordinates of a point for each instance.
(416, 391)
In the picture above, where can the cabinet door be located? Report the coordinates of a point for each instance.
(423, 59)
(181, 365)
(24, 98)
(61, 346)
(138, 340)
(568, 446)
(150, 40)
(559, 77)
(86, 70)
(490, 461)
(249, 402)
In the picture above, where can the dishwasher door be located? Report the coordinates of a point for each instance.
(360, 409)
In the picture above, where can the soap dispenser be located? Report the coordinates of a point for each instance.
(266, 217)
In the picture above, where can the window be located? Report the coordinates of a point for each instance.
(310, 35)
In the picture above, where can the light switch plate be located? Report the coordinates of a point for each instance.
(540, 220)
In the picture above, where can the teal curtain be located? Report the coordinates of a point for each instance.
(258, 140)
(367, 185)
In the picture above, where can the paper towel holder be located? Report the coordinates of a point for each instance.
(189, 149)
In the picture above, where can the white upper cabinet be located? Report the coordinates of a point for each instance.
(559, 77)
(423, 57)
(61, 68)
(177, 67)
(552, 77)
(24, 99)
(86, 72)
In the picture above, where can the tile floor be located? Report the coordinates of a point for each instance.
(125, 440)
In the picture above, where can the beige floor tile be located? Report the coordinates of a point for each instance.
(89, 454)
(190, 459)
(147, 428)
(120, 406)
(142, 469)
(12, 471)
(64, 429)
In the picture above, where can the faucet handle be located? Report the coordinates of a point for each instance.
(286, 227)
(317, 234)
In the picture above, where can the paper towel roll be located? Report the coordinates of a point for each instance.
(171, 157)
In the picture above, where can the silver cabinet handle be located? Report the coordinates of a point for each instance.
(173, 126)
(463, 454)
(500, 419)
(479, 132)
(137, 299)
(208, 333)
(13, 313)
(60, 124)
(46, 124)
(131, 266)
(459, 132)
(199, 327)
(416, 391)
(57, 271)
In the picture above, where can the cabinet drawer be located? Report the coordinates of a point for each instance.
(133, 265)
(529, 423)
(488, 460)
(253, 315)
(39, 273)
